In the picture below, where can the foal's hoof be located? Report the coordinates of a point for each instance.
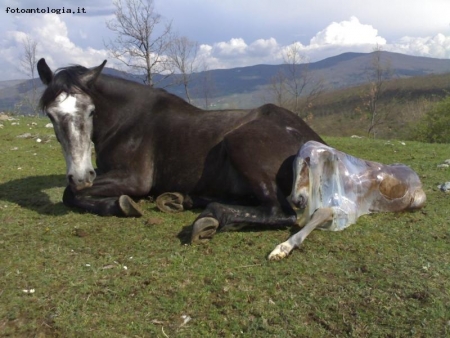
(204, 229)
(170, 202)
(281, 251)
(129, 207)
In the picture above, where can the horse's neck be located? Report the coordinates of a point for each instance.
(111, 89)
(110, 98)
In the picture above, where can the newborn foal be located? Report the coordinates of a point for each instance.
(335, 189)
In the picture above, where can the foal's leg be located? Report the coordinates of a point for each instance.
(319, 217)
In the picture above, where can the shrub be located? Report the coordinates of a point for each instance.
(434, 127)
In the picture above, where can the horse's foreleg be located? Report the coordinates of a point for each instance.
(109, 195)
(319, 217)
(103, 206)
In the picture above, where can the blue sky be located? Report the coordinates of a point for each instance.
(234, 33)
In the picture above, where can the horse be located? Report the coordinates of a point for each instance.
(236, 164)
(335, 189)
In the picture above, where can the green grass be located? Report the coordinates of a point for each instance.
(386, 276)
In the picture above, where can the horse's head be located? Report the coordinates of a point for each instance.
(68, 103)
(300, 189)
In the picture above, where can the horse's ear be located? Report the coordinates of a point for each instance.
(91, 76)
(44, 72)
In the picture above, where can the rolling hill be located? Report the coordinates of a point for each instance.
(246, 87)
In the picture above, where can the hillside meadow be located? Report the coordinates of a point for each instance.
(71, 274)
(402, 104)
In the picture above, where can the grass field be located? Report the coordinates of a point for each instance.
(386, 276)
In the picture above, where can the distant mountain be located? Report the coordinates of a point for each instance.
(248, 86)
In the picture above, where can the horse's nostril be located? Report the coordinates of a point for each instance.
(70, 178)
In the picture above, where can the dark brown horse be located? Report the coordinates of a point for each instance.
(236, 163)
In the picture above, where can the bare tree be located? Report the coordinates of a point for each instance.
(278, 84)
(137, 45)
(297, 77)
(205, 86)
(28, 65)
(377, 74)
(183, 55)
(295, 87)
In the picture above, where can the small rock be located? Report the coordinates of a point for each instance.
(29, 291)
(49, 125)
(444, 165)
(38, 140)
(355, 136)
(444, 187)
(447, 161)
(109, 266)
(26, 135)
(185, 319)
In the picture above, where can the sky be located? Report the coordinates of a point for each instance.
(231, 33)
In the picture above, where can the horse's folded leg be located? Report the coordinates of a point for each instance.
(170, 202)
(129, 207)
(204, 229)
(103, 206)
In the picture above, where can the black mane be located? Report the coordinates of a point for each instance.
(66, 79)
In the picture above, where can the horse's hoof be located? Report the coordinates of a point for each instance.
(204, 229)
(170, 202)
(129, 207)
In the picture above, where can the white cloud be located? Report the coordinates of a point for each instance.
(437, 46)
(263, 47)
(237, 53)
(51, 34)
(347, 33)
(232, 48)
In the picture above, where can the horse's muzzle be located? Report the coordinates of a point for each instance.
(78, 183)
(299, 202)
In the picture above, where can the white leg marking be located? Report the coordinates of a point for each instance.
(284, 249)
(281, 251)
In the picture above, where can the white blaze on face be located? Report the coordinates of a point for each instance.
(67, 103)
(72, 120)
